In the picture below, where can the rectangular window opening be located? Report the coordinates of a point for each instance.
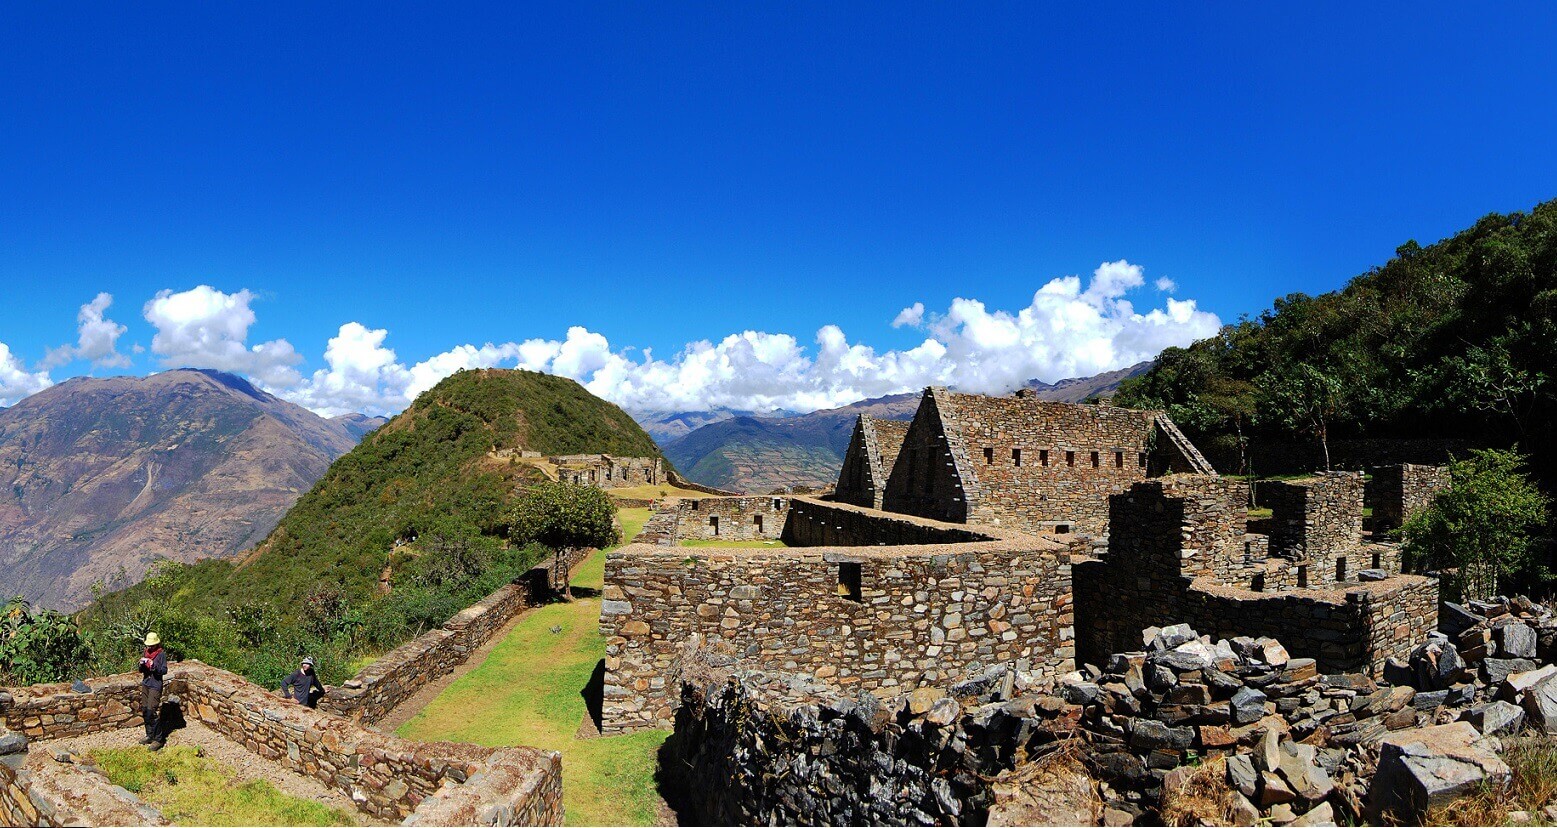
(1070, 458)
(1142, 460)
(1043, 457)
(989, 456)
(1340, 570)
(757, 522)
(713, 524)
(1094, 460)
(849, 582)
(1118, 459)
(1062, 529)
(1016, 457)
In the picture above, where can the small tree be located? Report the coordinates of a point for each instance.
(1479, 528)
(1305, 398)
(562, 515)
(39, 646)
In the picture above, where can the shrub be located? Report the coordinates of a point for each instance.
(39, 646)
(562, 515)
(1481, 526)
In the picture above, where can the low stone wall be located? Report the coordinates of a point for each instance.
(1315, 515)
(818, 523)
(398, 674)
(660, 528)
(53, 711)
(682, 483)
(388, 777)
(859, 618)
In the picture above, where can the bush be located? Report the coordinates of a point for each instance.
(42, 646)
(562, 515)
(1480, 528)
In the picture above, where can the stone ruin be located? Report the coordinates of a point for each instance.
(387, 777)
(607, 471)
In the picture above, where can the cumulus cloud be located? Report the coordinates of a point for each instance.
(1069, 329)
(206, 328)
(910, 316)
(16, 381)
(97, 338)
(1167, 285)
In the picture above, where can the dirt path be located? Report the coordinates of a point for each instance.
(244, 764)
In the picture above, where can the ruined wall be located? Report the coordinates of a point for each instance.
(398, 674)
(858, 618)
(1399, 492)
(1315, 515)
(873, 449)
(730, 518)
(609, 472)
(1176, 555)
(817, 523)
(386, 776)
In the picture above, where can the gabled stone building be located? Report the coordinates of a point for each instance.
(872, 452)
(1013, 461)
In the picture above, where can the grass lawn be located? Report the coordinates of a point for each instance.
(527, 692)
(190, 789)
(733, 544)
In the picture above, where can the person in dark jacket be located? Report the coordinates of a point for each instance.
(303, 686)
(154, 665)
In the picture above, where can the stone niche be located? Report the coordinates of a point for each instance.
(389, 778)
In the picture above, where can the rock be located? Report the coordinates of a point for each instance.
(1271, 652)
(1454, 619)
(922, 699)
(1244, 646)
(1274, 790)
(1116, 818)
(1425, 767)
(352, 684)
(1242, 775)
(1495, 670)
(1372, 575)
(1171, 637)
(1321, 814)
(12, 742)
(6, 701)
(1515, 685)
(1282, 814)
(1540, 703)
(1299, 669)
(1396, 672)
(1195, 655)
(1300, 767)
(1216, 737)
(944, 712)
(1496, 717)
(79, 686)
(1160, 678)
(1198, 694)
(1429, 699)
(1267, 752)
(1081, 692)
(1043, 793)
(1461, 695)
(1401, 719)
(1242, 812)
(1516, 641)
(1248, 705)
(1148, 734)
(1387, 700)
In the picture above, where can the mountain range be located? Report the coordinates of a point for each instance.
(751, 454)
(100, 478)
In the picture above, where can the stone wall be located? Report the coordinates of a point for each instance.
(1176, 553)
(730, 518)
(1269, 457)
(388, 777)
(817, 523)
(1399, 492)
(1023, 463)
(1314, 516)
(682, 483)
(867, 619)
(609, 472)
(873, 450)
(398, 674)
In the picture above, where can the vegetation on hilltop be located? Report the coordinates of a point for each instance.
(424, 499)
(1456, 339)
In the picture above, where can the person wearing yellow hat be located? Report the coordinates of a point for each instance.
(154, 665)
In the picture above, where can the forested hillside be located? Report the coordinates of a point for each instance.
(1455, 340)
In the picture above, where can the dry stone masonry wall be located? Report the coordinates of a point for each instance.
(609, 472)
(1314, 515)
(859, 618)
(1399, 492)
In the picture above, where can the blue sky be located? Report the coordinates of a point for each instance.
(651, 175)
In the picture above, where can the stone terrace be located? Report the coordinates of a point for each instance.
(388, 777)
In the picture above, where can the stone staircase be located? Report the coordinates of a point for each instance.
(1191, 455)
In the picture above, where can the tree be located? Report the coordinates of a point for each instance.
(562, 515)
(1481, 526)
(40, 646)
(1305, 398)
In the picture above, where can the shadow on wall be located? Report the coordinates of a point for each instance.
(594, 694)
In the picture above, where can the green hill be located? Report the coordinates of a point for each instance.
(425, 496)
(1453, 341)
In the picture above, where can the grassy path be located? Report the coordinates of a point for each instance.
(528, 692)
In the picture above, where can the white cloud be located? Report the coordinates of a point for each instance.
(206, 328)
(1167, 285)
(15, 380)
(910, 316)
(96, 338)
(1067, 330)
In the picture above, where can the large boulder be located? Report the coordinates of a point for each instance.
(1540, 703)
(1045, 793)
(1425, 767)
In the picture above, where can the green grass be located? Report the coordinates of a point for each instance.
(527, 692)
(632, 522)
(191, 789)
(648, 492)
(733, 544)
